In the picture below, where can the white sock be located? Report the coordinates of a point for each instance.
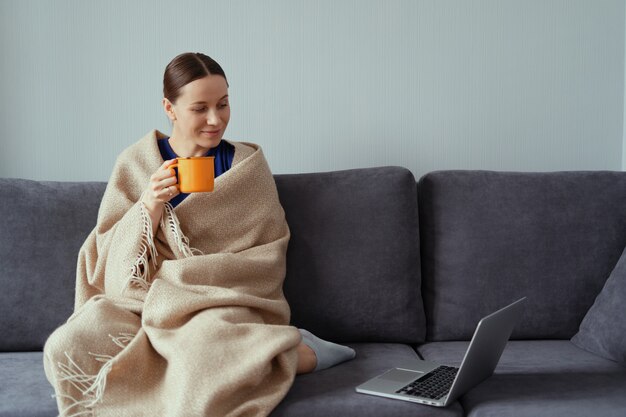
(328, 353)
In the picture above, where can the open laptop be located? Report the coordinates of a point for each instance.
(432, 384)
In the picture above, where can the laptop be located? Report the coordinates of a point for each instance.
(431, 384)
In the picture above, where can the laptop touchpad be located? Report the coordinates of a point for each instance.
(401, 375)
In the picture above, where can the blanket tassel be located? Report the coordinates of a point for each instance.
(181, 240)
(140, 273)
(90, 386)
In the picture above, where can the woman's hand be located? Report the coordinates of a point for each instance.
(161, 189)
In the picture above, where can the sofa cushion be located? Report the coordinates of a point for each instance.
(43, 226)
(332, 392)
(489, 238)
(344, 281)
(603, 330)
(24, 389)
(541, 378)
(353, 271)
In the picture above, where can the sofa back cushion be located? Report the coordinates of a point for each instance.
(489, 238)
(43, 226)
(353, 270)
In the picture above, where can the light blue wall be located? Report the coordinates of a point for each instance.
(322, 85)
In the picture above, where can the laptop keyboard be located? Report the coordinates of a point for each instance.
(433, 385)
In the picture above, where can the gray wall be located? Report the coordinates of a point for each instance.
(531, 85)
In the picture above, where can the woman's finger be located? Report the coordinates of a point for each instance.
(166, 182)
(168, 193)
(164, 172)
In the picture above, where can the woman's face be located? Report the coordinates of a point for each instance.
(199, 116)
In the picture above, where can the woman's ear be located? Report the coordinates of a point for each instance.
(168, 107)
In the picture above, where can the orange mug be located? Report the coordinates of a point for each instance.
(195, 174)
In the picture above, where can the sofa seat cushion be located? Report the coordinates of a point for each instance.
(545, 377)
(332, 392)
(25, 392)
(24, 389)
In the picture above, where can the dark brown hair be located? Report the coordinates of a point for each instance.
(186, 68)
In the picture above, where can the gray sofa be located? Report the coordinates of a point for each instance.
(395, 268)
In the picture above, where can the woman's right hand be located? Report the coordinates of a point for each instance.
(161, 189)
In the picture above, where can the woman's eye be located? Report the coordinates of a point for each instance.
(223, 105)
(199, 109)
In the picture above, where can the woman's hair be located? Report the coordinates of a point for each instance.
(186, 68)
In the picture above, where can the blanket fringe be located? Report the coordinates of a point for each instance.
(75, 403)
(90, 386)
(123, 339)
(140, 273)
(181, 240)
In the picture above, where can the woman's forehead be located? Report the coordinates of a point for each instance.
(207, 89)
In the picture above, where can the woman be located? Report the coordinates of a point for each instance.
(179, 307)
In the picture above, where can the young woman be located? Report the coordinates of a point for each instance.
(179, 306)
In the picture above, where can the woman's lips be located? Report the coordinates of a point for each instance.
(211, 132)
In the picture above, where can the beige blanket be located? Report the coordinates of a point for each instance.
(189, 322)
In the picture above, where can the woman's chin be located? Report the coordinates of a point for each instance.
(209, 142)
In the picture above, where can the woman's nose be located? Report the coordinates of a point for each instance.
(212, 118)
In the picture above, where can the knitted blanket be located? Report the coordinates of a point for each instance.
(189, 322)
